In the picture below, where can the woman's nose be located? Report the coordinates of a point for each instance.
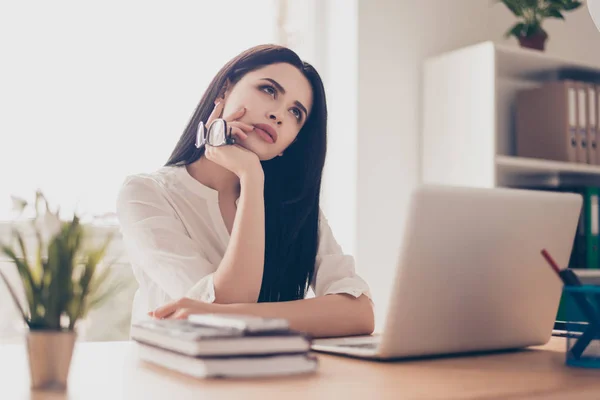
(274, 118)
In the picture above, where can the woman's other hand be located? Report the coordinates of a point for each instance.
(182, 308)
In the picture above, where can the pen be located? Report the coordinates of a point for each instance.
(566, 275)
(570, 279)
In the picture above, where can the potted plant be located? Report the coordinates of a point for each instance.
(62, 279)
(532, 13)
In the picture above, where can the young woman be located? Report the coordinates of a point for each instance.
(238, 228)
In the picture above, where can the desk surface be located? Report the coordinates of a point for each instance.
(110, 370)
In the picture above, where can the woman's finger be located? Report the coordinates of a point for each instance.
(236, 115)
(238, 132)
(243, 126)
(210, 153)
(180, 314)
(166, 310)
(216, 113)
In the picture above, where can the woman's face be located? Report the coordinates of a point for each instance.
(278, 99)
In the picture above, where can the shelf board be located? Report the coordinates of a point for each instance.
(539, 166)
(519, 62)
(522, 171)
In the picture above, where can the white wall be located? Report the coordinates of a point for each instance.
(394, 37)
(340, 74)
(324, 33)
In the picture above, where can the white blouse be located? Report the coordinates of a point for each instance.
(175, 238)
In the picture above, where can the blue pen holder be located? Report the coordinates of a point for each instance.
(583, 326)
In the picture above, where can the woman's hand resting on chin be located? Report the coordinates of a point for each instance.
(235, 158)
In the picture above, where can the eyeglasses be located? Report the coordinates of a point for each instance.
(217, 134)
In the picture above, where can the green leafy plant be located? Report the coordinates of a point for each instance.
(533, 12)
(63, 279)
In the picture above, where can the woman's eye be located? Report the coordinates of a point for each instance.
(296, 113)
(268, 90)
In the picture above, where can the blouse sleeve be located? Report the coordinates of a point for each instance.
(157, 241)
(334, 270)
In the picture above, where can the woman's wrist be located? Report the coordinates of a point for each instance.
(252, 177)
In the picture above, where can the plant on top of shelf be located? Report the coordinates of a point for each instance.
(532, 14)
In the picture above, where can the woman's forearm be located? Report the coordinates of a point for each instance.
(324, 316)
(239, 276)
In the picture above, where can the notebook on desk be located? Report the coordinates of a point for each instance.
(195, 340)
(470, 276)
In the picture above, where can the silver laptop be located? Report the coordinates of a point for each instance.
(470, 276)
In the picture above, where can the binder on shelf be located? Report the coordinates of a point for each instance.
(592, 220)
(592, 118)
(586, 245)
(578, 258)
(585, 255)
(582, 126)
(596, 113)
(547, 122)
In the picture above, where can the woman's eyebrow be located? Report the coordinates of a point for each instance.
(282, 90)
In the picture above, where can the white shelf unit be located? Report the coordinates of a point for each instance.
(468, 117)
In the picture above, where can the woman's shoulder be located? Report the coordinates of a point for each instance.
(143, 194)
(147, 180)
(147, 185)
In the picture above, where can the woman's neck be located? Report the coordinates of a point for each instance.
(214, 176)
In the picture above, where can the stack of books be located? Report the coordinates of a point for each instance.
(224, 346)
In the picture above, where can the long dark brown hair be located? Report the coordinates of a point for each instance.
(292, 181)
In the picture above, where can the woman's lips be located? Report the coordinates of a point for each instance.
(264, 135)
(267, 133)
